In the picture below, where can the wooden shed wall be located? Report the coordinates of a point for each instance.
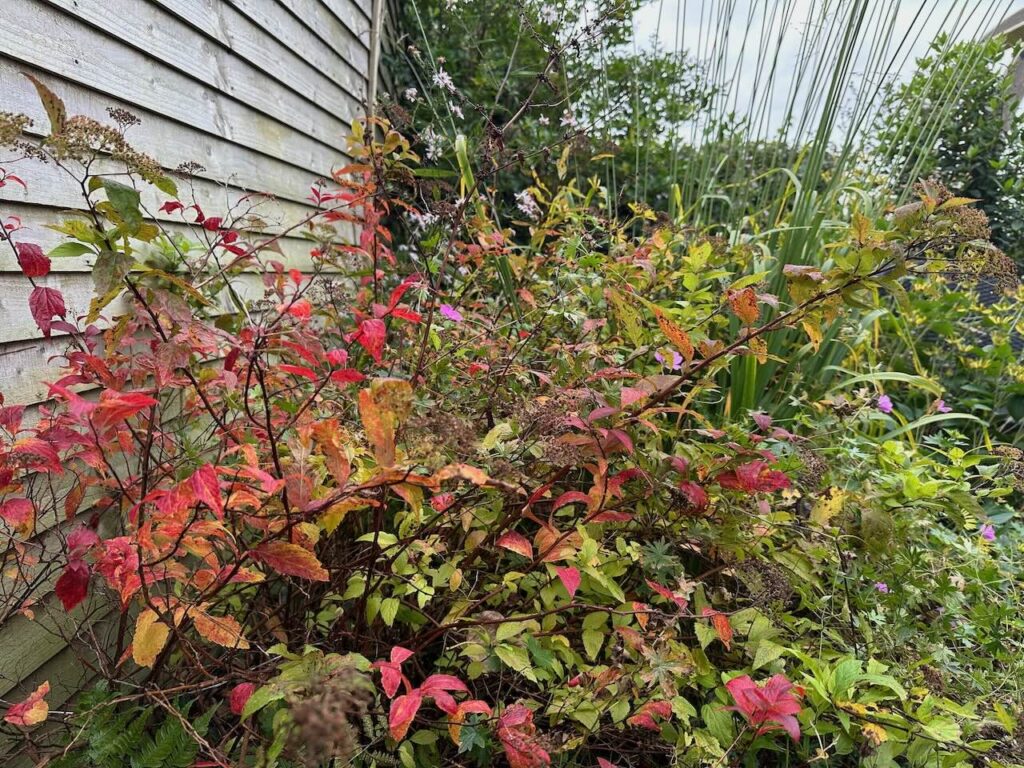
(261, 93)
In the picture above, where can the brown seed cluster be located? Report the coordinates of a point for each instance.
(767, 583)
(324, 718)
(11, 127)
(82, 138)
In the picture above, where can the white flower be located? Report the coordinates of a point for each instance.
(443, 80)
(434, 142)
(526, 204)
(422, 221)
(456, 109)
(411, 94)
(568, 120)
(543, 120)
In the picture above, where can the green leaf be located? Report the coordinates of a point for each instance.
(389, 610)
(926, 420)
(587, 713)
(844, 676)
(166, 185)
(515, 657)
(593, 639)
(126, 202)
(767, 652)
(109, 270)
(70, 250)
(260, 698)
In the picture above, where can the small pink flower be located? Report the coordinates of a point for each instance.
(988, 533)
(882, 587)
(885, 404)
(451, 313)
(941, 407)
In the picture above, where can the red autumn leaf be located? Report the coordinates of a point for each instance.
(753, 477)
(516, 732)
(301, 309)
(32, 260)
(32, 710)
(213, 223)
(114, 407)
(516, 542)
(346, 376)
(46, 304)
(768, 706)
(403, 712)
(370, 335)
(73, 584)
(171, 206)
(677, 598)
(239, 696)
(80, 541)
(694, 494)
(571, 497)
(391, 671)
(17, 512)
(602, 763)
(644, 718)
(299, 370)
(721, 624)
(438, 688)
(206, 487)
(291, 560)
(570, 578)
(38, 453)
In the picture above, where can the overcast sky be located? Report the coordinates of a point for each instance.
(694, 24)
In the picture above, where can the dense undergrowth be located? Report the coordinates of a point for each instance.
(494, 482)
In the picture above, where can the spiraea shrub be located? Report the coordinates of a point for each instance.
(448, 492)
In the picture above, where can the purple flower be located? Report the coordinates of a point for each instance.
(988, 533)
(677, 359)
(882, 587)
(451, 313)
(885, 404)
(941, 407)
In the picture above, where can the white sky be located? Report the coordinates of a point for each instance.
(696, 25)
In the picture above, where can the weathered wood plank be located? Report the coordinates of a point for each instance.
(161, 36)
(276, 19)
(36, 34)
(169, 142)
(351, 16)
(226, 25)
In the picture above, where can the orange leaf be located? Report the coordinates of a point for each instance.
(516, 542)
(551, 546)
(744, 304)
(222, 630)
(291, 560)
(32, 710)
(679, 338)
(381, 407)
(722, 626)
(150, 638)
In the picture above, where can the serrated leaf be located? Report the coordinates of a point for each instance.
(389, 610)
